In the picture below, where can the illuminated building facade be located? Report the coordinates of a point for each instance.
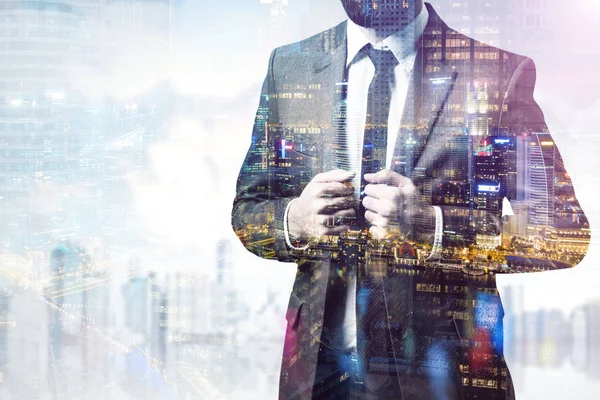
(482, 19)
(530, 24)
(260, 156)
(541, 161)
(45, 125)
(52, 134)
(338, 148)
(465, 142)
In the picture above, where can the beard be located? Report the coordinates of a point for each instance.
(364, 13)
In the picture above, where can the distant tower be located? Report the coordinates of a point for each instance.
(529, 25)
(276, 31)
(489, 189)
(5, 312)
(477, 109)
(223, 294)
(337, 149)
(485, 20)
(49, 133)
(224, 264)
(477, 127)
(540, 174)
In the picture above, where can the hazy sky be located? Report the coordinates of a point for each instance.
(217, 57)
(217, 66)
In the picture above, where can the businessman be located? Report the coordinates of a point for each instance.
(402, 165)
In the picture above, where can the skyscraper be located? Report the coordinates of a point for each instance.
(483, 20)
(540, 174)
(224, 295)
(52, 134)
(477, 109)
(338, 149)
(529, 23)
(276, 30)
(45, 126)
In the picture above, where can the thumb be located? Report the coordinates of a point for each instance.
(385, 176)
(337, 175)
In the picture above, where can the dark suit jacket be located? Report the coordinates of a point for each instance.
(295, 123)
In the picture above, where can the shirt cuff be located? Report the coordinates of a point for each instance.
(436, 251)
(286, 232)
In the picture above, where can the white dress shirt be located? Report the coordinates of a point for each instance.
(360, 73)
(403, 44)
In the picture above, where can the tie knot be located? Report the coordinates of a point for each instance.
(383, 60)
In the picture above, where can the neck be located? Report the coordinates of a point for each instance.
(385, 27)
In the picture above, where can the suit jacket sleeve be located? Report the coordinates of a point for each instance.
(258, 208)
(520, 111)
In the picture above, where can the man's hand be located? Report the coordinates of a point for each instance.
(323, 206)
(386, 201)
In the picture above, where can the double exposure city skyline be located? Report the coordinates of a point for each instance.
(121, 139)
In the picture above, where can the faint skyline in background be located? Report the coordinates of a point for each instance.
(180, 186)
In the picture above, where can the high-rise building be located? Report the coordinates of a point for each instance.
(137, 302)
(338, 149)
(516, 225)
(52, 133)
(505, 157)
(224, 264)
(586, 319)
(5, 323)
(276, 30)
(529, 25)
(540, 175)
(477, 123)
(47, 130)
(136, 34)
(260, 138)
(477, 127)
(484, 20)
(224, 296)
(521, 167)
(160, 318)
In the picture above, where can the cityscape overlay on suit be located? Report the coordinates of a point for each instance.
(123, 124)
(475, 144)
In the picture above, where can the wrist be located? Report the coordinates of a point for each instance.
(294, 236)
(294, 222)
(424, 220)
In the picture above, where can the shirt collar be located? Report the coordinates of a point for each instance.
(396, 42)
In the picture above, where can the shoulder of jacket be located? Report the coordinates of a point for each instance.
(322, 42)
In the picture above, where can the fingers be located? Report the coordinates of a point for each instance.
(380, 191)
(388, 177)
(336, 219)
(334, 189)
(350, 212)
(331, 206)
(385, 207)
(332, 224)
(337, 175)
(376, 219)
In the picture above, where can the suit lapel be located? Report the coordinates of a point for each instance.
(438, 90)
(425, 102)
(310, 289)
(329, 70)
(417, 146)
(335, 57)
(426, 97)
